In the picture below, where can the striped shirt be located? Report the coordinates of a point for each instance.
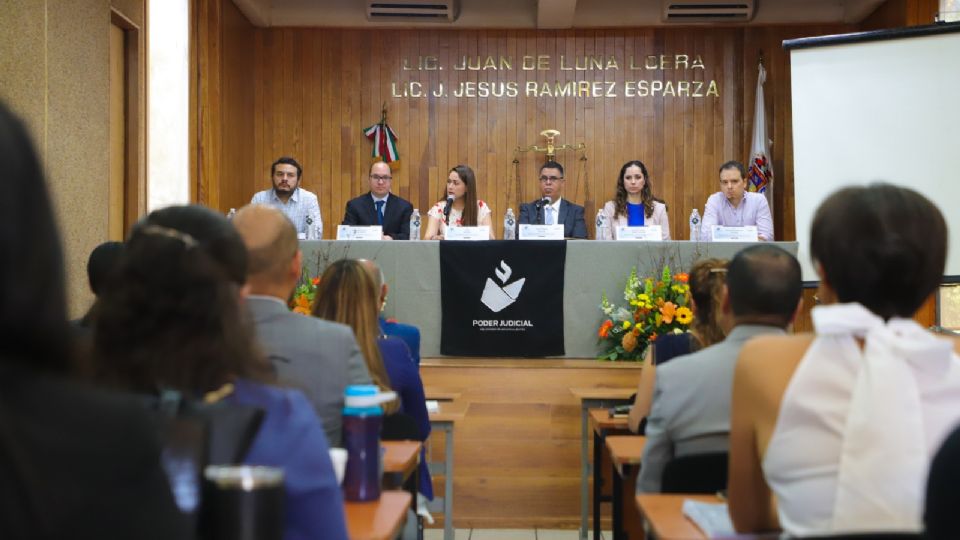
(302, 209)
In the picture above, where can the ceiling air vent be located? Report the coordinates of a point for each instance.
(691, 11)
(412, 10)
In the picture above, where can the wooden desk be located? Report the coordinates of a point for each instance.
(450, 413)
(603, 425)
(380, 519)
(625, 453)
(400, 460)
(590, 398)
(440, 394)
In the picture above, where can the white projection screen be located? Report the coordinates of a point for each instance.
(877, 109)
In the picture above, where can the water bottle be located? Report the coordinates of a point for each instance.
(415, 224)
(231, 213)
(603, 228)
(695, 226)
(509, 225)
(362, 418)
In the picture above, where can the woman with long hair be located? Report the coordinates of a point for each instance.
(75, 461)
(466, 210)
(174, 319)
(349, 293)
(833, 432)
(634, 204)
(707, 278)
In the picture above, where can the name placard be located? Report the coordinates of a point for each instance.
(735, 234)
(481, 232)
(648, 233)
(352, 232)
(530, 231)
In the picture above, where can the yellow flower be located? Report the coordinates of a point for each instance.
(626, 324)
(684, 315)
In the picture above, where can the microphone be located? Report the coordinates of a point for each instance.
(447, 208)
(540, 204)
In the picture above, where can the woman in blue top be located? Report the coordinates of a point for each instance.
(634, 204)
(349, 294)
(174, 319)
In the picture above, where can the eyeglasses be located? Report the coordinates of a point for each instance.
(551, 179)
(378, 178)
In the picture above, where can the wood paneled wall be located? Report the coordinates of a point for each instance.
(310, 93)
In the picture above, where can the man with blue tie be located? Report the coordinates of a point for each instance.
(552, 208)
(380, 207)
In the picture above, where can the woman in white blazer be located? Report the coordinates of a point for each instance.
(634, 204)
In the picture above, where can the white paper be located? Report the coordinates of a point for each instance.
(647, 233)
(530, 231)
(735, 234)
(351, 232)
(481, 232)
(433, 406)
(712, 518)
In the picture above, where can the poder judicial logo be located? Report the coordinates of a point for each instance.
(496, 297)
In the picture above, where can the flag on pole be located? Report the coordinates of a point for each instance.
(384, 139)
(760, 174)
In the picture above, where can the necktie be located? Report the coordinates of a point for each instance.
(549, 215)
(379, 212)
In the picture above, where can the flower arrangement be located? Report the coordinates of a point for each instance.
(302, 299)
(655, 307)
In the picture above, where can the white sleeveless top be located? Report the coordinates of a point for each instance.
(857, 428)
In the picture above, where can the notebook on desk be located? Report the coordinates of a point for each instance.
(712, 518)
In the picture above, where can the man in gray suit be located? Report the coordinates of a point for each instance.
(691, 400)
(319, 357)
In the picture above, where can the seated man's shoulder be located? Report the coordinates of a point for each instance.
(573, 205)
(308, 195)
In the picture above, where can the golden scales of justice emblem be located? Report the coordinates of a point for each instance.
(551, 148)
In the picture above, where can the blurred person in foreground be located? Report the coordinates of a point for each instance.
(175, 320)
(75, 461)
(833, 432)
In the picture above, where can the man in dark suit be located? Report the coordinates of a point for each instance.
(380, 207)
(319, 357)
(557, 211)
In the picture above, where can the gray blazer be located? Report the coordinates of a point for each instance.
(319, 357)
(691, 405)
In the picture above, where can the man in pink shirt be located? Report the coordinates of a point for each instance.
(734, 206)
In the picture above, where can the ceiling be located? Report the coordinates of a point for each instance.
(531, 14)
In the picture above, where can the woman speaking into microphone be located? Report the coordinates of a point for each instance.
(461, 208)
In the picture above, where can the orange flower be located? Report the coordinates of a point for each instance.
(682, 277)
(301, 304)
(605, 329)
(629, 342)
(668, 310)
(653, 337)
(315, 281)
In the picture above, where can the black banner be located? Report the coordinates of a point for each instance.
(502, 298)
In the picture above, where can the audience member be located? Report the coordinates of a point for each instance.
(175, 320)
(407, 332)
(466, 210)
(634, 204)
(319, 357)
(691, 400)
(707, 278)
(299, 205)
(348, 294)
(75, 462)
(379, 206)
(943, 492)
(102, 262)
(839, 427)
(551, 208)
(734, 206)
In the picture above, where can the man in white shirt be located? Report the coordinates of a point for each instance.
(299, 205)
(551, 208)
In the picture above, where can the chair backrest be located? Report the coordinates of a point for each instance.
(695, 473)
(399, 427)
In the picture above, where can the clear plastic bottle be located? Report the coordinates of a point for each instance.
(415, 224)
(695, 226)
(603, 228)
(509, 225)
